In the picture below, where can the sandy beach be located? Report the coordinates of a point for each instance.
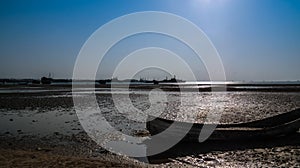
(39, 128)
(153, 83)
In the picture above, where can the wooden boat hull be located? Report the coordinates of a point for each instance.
(282, 125)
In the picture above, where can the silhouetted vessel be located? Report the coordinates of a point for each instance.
(172, 80)
(45, 80)
(271, 127)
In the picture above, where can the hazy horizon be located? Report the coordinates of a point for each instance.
(256, 40)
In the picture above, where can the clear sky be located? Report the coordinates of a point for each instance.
(256, 39)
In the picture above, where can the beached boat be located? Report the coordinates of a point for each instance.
(279, 125)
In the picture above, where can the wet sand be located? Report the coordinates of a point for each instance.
(64, 143)
(58, 151)
(25, 158)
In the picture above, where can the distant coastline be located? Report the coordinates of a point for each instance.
(172, 84)
(28, 81)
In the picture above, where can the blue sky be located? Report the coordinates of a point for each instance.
(256, 39)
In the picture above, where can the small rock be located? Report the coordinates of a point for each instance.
(221, 155)
(277, 150)
(259, 150)
(42, 149)
(102, 151)
(142, 133)
(208, 159)
(11, 119)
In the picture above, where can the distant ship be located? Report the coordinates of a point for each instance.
(45, 80)
(172, 80)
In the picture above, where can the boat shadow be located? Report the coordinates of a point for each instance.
(183, 149)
